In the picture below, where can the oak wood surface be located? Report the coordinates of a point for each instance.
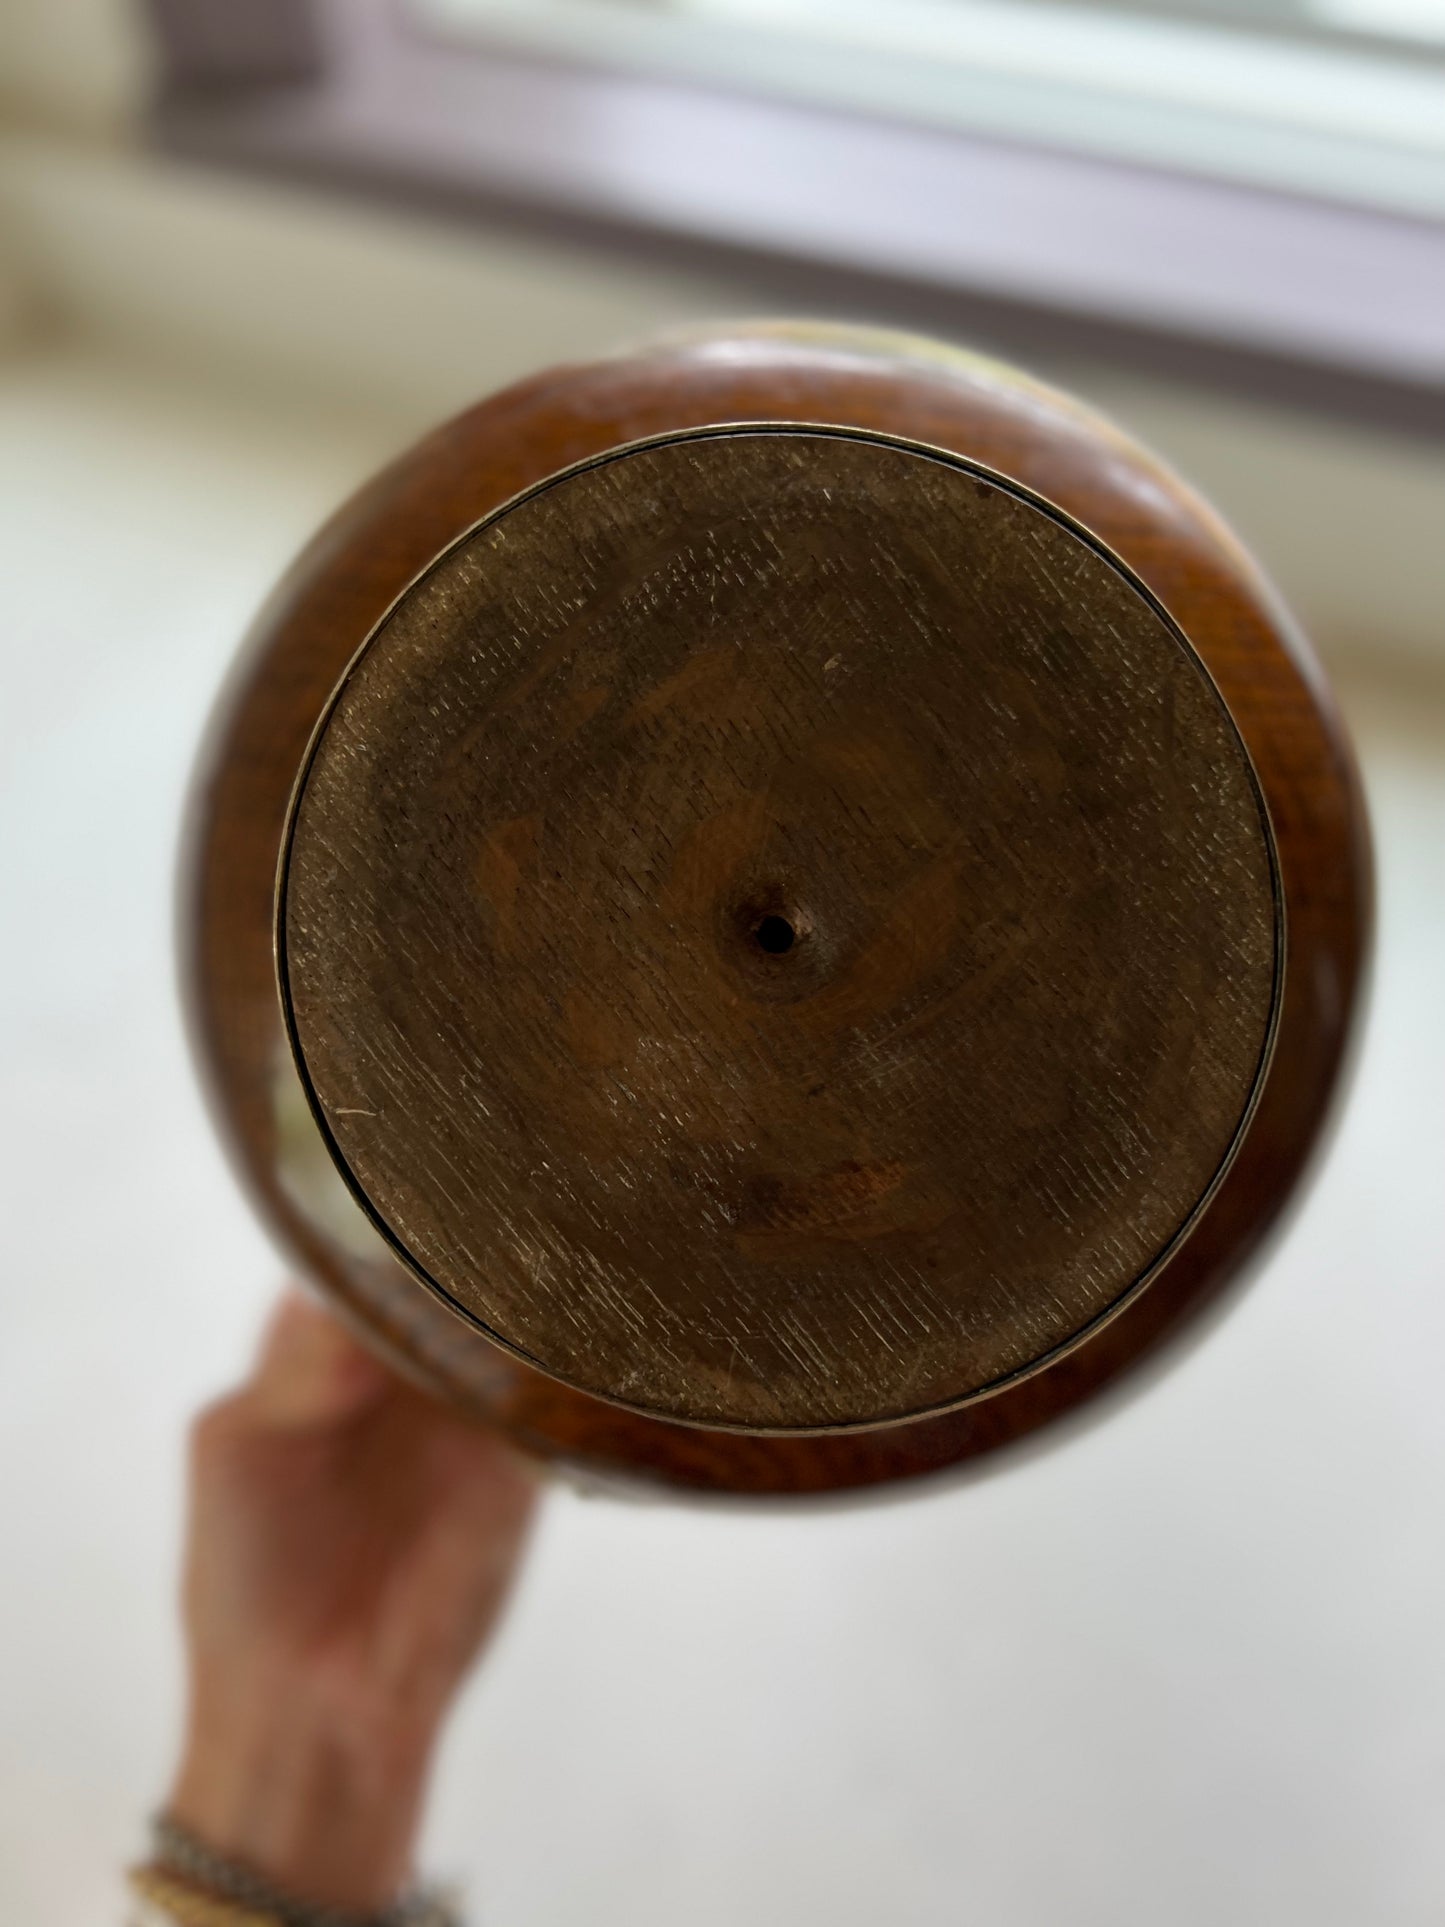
(1274, 697)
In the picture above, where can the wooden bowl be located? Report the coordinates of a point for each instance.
(771, 914)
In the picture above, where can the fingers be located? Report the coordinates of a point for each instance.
(311, 1372)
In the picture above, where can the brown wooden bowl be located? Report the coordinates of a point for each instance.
(771, 914)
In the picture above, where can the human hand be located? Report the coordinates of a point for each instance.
(350, 1547)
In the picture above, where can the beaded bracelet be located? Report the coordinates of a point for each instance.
(197, 1887)
(169, 1902)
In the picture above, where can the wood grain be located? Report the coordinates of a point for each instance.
(780, 930)
(1275, 702)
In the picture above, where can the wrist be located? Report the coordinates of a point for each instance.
(320, 1796)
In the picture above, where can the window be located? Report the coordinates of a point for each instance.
(1344, 98)
(1257, 185)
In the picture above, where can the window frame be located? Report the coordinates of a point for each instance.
(1327, 305)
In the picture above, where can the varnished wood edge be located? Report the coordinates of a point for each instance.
(960, 463)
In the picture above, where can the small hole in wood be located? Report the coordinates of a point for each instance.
(775, 935)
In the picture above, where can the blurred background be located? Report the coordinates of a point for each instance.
(1184, 1668)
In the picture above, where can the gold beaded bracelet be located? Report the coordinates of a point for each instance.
(167, 1901)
